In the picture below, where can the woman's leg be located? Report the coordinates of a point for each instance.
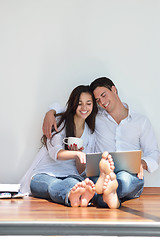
(49, 187)
(40, 183)
(129, 185)
(58, 189)
(59, 192)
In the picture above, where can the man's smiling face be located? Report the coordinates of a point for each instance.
(106, 98)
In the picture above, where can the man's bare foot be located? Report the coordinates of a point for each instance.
(75, 194)
(82, 193)
(109, 191)
(88, 194)
(106, 166)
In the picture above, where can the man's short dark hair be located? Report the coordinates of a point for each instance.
(102, 82)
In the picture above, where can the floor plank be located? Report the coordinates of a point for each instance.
(29, 211)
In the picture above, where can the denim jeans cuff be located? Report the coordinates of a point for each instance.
(67, 202)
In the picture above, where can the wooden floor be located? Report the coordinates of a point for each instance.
(30, 216)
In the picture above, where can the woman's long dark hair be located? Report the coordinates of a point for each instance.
(67, 117)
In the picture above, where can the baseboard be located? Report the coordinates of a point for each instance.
(151, 190)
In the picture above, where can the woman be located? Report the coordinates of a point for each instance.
(53, 174)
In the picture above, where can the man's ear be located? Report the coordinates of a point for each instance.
(114, 89)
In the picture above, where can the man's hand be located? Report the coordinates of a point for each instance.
(140, 174)
(49, 122)
(143, 166)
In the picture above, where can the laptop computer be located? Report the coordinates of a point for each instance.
(129, 161)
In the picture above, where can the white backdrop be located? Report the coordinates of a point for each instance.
(47, 47)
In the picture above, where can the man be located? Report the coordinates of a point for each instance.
(118, 128)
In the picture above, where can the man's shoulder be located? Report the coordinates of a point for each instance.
(135, 115)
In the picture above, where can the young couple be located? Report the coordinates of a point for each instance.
(54, 175)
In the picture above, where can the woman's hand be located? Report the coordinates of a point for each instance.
(67, 155)
(48, 123)
(81, 156)
(81, 162)
(75, 148)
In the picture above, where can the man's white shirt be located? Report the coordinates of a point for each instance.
(133, 133)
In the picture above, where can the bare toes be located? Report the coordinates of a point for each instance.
(75, 194)
(105, 155)
(89, 182)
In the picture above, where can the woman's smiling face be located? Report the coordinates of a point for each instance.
(85, 105)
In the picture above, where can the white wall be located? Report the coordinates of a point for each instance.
(47, 47)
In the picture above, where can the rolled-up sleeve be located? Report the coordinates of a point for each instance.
(55, 145)
(56, 107)
(149, 145)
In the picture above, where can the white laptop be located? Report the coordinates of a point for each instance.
(129, 161)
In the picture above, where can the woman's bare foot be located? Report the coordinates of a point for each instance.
(82, 193)
(75, 194)
(88, 194)
(109, 191)
(106, 166)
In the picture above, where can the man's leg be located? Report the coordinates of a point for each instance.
(129, 185)
(106, 184)
(109, 198)
(106, 166)
(110, 191)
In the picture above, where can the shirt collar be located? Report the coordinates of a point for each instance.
(130, 112)
(104, 112)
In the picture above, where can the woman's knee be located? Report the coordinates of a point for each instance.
(39, 189)
(39, 185)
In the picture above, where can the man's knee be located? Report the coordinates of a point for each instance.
(128, 183)
(124, 178)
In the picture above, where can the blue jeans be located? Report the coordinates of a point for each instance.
(129, 187)
(53, 188)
